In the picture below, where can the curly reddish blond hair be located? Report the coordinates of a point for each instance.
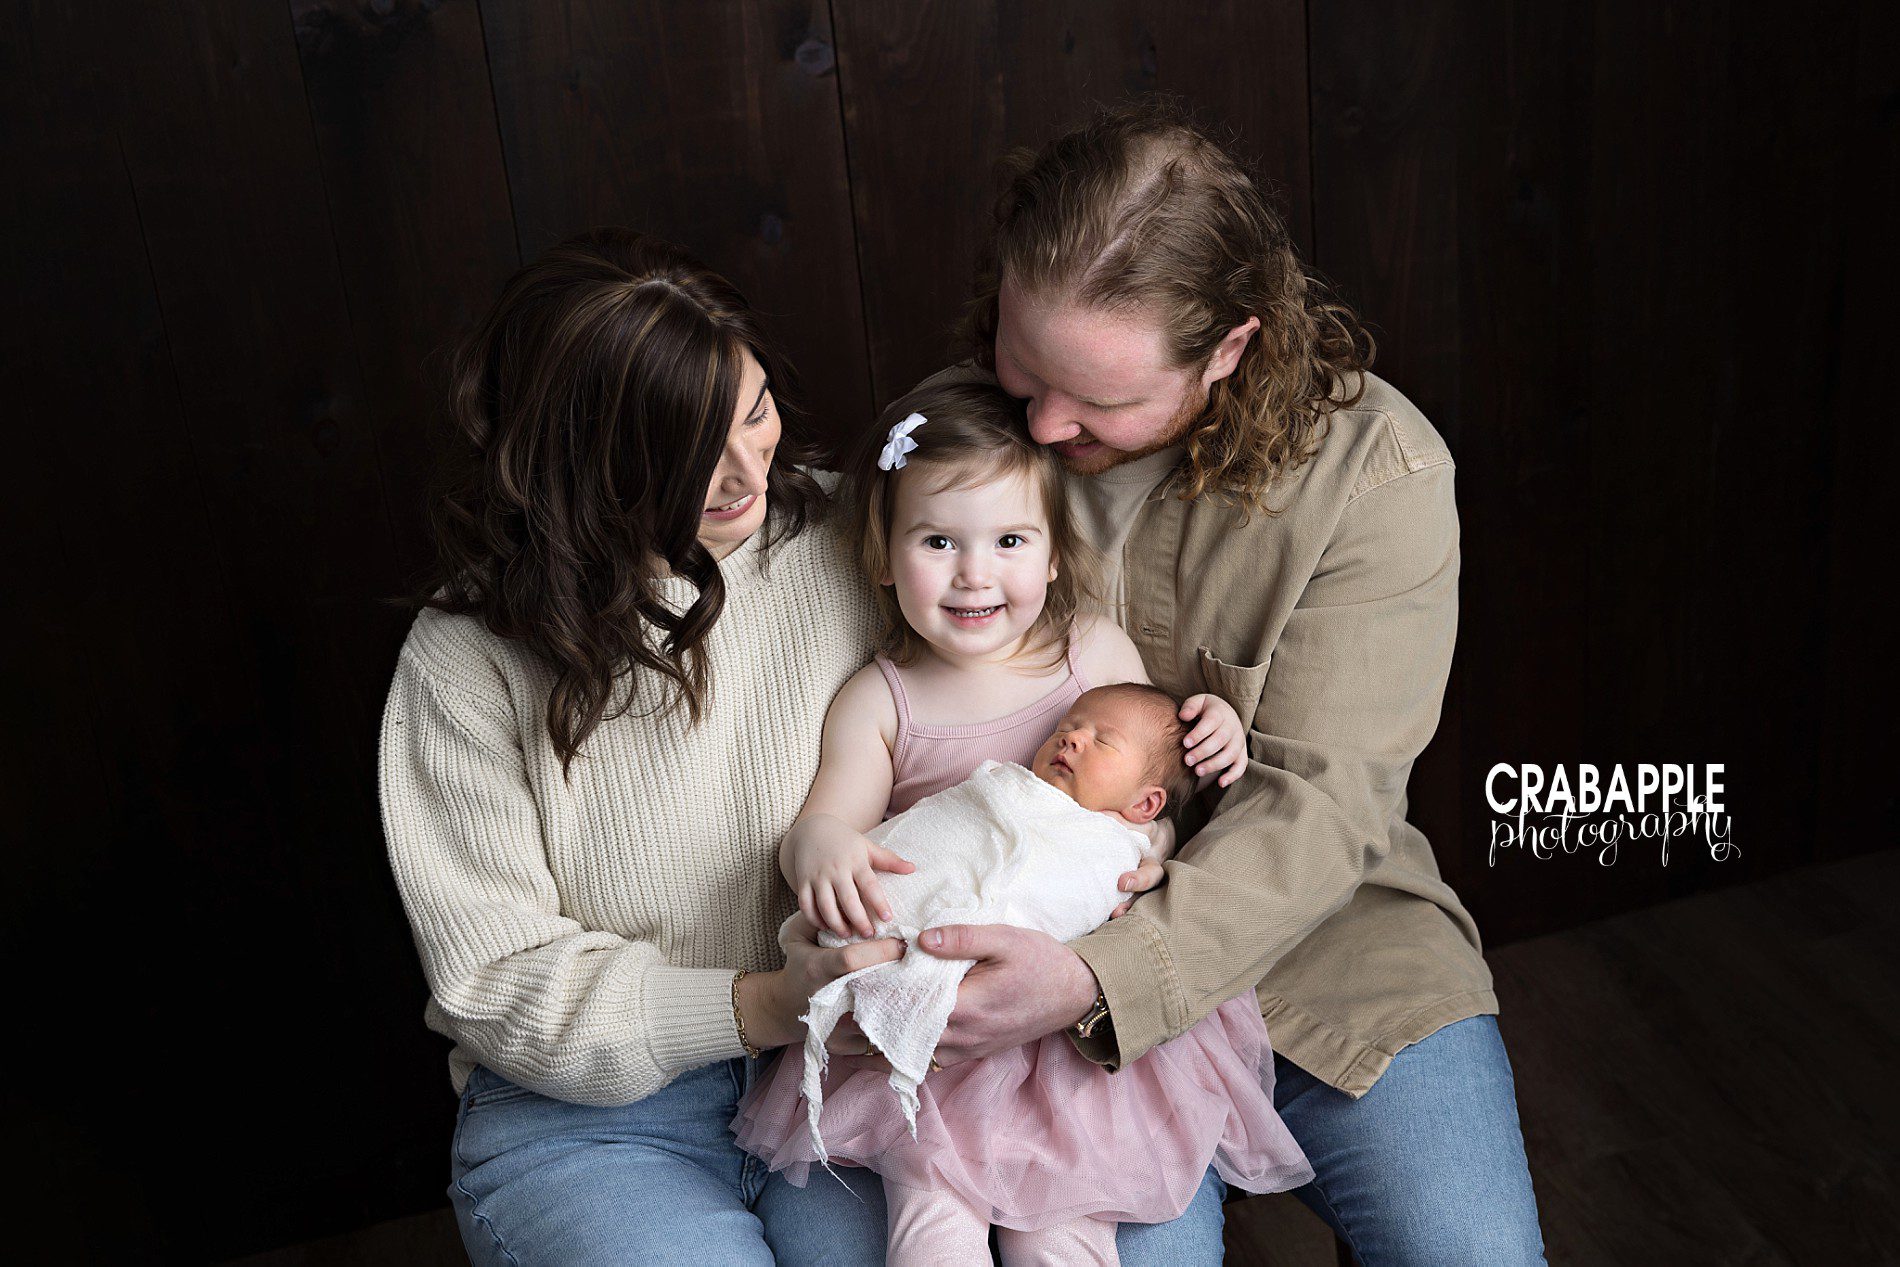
(1142, 210)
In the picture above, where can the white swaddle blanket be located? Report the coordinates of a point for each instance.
(1002, 847)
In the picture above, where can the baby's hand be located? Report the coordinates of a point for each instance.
(834, 874)
(1160, 834)
(1217, 743)
(1149, 872)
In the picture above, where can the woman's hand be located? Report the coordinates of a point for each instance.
(1216, 743)
(772, 1002)
(833, 871)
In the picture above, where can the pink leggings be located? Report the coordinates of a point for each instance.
(928, 1228)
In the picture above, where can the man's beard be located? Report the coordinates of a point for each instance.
(1193, 408)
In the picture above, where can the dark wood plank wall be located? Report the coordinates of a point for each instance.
(96, 335)
(1605, 248)
(714, 125)
(418, 200)
(1859, 797)
(967, 82)
(1633, 261)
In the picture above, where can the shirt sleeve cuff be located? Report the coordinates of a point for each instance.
(689, 1014)
(1131, 964)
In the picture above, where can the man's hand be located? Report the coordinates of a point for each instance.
(1025, 984)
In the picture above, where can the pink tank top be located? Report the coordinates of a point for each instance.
(929, 759)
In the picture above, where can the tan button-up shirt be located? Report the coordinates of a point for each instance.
(1329, 627)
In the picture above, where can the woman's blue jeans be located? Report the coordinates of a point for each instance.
(1427, 1167)
(659, 1181)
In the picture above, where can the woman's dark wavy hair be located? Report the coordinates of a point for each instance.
(592, 406)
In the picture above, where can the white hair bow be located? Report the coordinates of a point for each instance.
(898, 443)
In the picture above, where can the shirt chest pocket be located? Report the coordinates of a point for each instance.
(1239, 684)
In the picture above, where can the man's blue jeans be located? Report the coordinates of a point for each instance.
(1427, 1167)
(658, 1182)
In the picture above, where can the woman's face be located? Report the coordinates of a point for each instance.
(735, 501)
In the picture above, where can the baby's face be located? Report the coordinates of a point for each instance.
(1100, 754)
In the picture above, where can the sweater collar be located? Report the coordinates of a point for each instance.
(742, 571)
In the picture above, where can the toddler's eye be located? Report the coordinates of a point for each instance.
(936, 541)
(1010, 540)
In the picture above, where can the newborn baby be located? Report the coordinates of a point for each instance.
(1118, 750)
(1039, 850)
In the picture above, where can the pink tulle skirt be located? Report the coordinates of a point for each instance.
(1039, 1135)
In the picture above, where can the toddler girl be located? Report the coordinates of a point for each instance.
(964, 524)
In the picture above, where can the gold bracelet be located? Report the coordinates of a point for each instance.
(738, 1019)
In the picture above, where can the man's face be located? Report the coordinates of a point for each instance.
(1100, 388)
(1099, 753)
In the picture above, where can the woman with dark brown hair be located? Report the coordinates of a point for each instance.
(603, 721)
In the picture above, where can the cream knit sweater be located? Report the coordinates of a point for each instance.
(580, 938)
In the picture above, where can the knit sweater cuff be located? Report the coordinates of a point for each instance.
(689, 1014)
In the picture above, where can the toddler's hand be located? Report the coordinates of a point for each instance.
(1217, 743)
(834, 875)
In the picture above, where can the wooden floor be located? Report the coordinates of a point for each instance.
(1709, 1081)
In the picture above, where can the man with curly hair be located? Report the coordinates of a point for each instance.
(1280, 529)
